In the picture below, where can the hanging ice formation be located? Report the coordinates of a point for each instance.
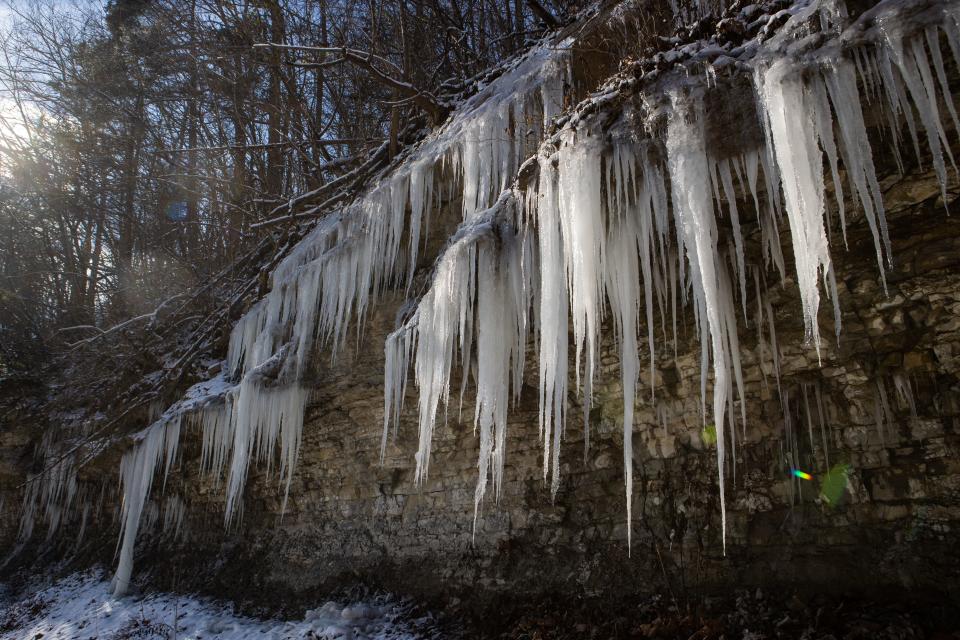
(623, 220)
(333, 277)
(601, 220)
(156, 444)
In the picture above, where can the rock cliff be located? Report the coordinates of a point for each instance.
(841, 470)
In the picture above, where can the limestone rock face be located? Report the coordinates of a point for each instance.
(884, 518)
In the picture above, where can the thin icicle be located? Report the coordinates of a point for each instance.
(841, 83)
(911, 60)
(622, 284)
(881, 410)
(726, 180)
(905, 393)
(823, 425)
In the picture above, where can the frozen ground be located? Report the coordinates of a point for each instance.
(82, 607)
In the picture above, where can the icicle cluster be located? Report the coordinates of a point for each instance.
(335, 275)
(490, 257)
(604, 230)
(53, 494)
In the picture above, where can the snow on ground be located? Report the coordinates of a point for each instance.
(82, 607)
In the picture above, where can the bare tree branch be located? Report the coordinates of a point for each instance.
(541, 12)
(422, 98)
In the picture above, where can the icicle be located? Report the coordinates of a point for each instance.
(758, 323)
(933, 44)
(261, 418)
(823, 425)
(881, 410)
(622, 279)
(774, 347)
(730, 195)
(498, 323)
(487, 159)
(729, 315)
(809, 416)
(905, 393)
(657, 259)
(911, 60)
(582, 230)
(53, 494)
(445, 319)
(137, 470)
(695, 222)
(824, 124)
(398, 349)
(174, 511)
(440, 313)
(421, 190)
(793, 136)
(553, 322)
(217, 438)
(841, 84)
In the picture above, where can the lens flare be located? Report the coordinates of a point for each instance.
(834, 484)
(802, 474)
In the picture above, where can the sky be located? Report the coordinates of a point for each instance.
(11, 120)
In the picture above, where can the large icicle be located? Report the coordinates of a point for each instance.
(580, 207)
(792, 114)
(500, 342)
(137, 471)
(444, 323)
(552, 315)
(696, 225)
